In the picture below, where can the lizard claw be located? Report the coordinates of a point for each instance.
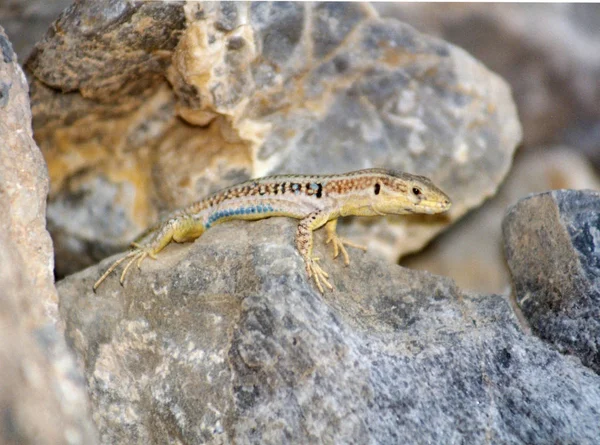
(338, 246)
(314, 271)
(139, 254)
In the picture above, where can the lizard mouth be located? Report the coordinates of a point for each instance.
(435, 206)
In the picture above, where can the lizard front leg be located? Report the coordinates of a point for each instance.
(338, 242)
(304, 244)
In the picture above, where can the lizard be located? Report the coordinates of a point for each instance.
(316, 200)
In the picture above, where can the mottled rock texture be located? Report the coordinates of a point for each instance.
(552, 243)
(42, 396)
(472, 251)
(547, 53)
(144, 107)
(231, 343)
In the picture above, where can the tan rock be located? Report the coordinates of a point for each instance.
(23, 189)
(42, 396)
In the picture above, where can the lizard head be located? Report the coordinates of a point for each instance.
(401, 193)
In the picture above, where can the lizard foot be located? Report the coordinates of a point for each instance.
(139, 253)
(319, 275)
(338, 246)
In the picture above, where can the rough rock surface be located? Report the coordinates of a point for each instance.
(547, 53)
(226, 341)
(42, 396)
(552, 243)
(167, 102)
(24, 184)
(471, 251)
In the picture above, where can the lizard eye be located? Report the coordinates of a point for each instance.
(377, 188)
(416, 191)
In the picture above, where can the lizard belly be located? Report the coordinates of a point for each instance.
(252, 210)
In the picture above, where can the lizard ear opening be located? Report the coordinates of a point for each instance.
(377, 188)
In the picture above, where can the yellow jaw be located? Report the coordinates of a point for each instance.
(429, 200)
(431, 207)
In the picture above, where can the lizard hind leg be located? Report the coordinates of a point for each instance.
(147, 246)
(113, 266)
(139, 254)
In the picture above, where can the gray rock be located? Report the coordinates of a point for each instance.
(552, 245)
(227, 341)
(26, 23)
(170, 101)
(42, 393)
(555, 75)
